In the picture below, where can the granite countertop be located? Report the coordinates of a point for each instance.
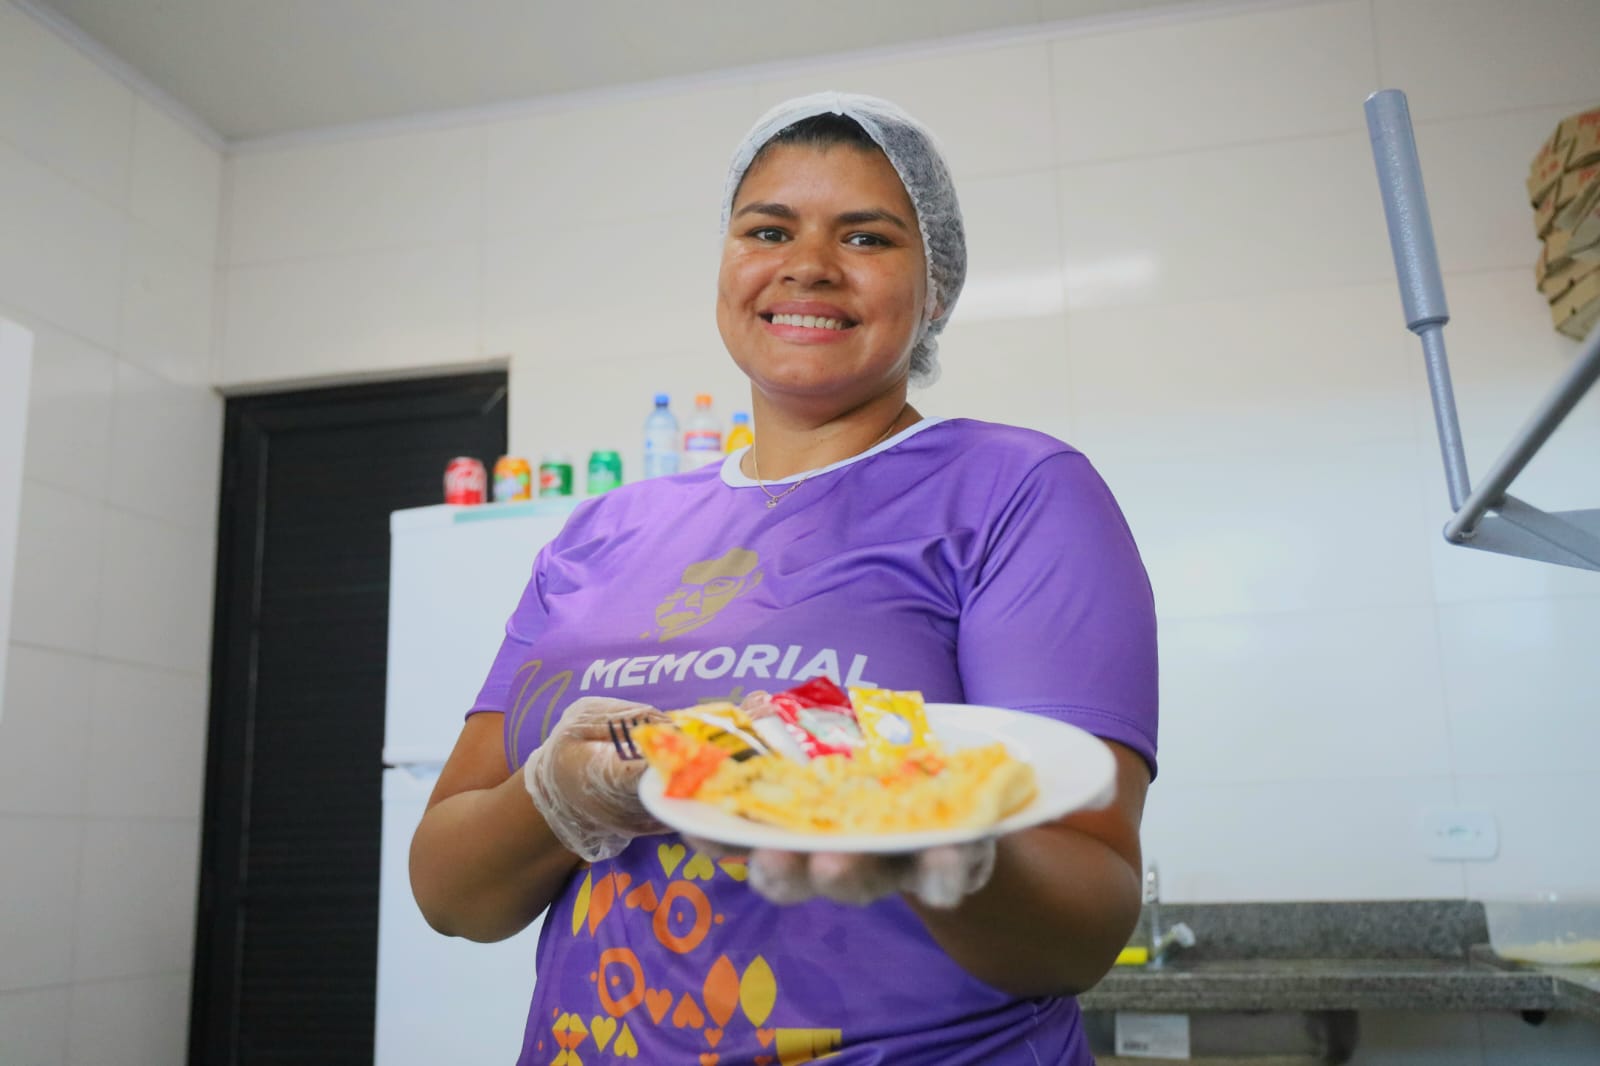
(1401, 955)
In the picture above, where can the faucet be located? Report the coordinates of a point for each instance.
(1162, 941)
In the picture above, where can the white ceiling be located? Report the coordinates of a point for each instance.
(262, 68)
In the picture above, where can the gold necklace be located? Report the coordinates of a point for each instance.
(772, 501)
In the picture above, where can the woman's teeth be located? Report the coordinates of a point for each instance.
(808, 321)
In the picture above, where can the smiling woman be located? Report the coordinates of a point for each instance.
(979, 564)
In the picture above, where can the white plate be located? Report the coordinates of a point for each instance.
(1074, 769)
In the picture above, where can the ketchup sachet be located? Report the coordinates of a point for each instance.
(819, 718)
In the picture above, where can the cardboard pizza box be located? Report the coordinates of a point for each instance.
(1585, 228)
(1544, 215)
(1548, 166)
(1558, 281)
(1575, 185)
(1557, 248)
(1575, 312)
(1581, 134)
(1580, 324)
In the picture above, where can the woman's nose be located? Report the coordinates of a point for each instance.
(812, 262)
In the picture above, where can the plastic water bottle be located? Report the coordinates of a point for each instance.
(702, 439)
(740, 435)
(661, 439)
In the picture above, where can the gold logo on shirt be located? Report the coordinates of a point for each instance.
(707, 587)
(549, 693)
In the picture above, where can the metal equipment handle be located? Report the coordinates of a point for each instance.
(1405, 205)
(1416, 263)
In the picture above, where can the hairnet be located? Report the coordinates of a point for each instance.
(916, 158)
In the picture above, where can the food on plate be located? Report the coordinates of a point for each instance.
(816, 760)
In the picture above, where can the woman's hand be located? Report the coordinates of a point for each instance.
(588, 795)
(940, 877)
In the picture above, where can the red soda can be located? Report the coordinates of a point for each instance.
(465, 481)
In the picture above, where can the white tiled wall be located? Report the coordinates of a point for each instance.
(125, 1020)
(1301, 696)
(69, 411)
(356, 197)
(1271, 75)
(33, 1024)
(1478, 57)
(64, 247)
(533, 170)
(1178, 263)
(1298, 838)
(109, 214)
(44, 769)
(990, 108)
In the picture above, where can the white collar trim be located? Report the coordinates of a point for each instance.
(735, 478)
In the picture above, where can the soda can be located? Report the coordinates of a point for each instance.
(555, 476)
(513, 479)
(605, 472)
(465, 481)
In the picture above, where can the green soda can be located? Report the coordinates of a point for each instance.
(605, 472)
(555, 476)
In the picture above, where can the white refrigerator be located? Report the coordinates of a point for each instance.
(455, 574)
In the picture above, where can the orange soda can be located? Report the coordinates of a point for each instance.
(513, 479)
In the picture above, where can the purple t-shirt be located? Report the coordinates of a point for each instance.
(974, 562)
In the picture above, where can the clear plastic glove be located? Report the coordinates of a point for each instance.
(939, 877)
(588, 795)
(758, 704)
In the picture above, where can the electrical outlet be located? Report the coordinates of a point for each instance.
(1141, 1035)
(1455, 834)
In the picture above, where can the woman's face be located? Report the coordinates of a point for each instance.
(823, 283)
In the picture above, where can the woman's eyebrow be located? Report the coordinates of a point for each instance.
(761, 208)
(848, 218)
(856, 218)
